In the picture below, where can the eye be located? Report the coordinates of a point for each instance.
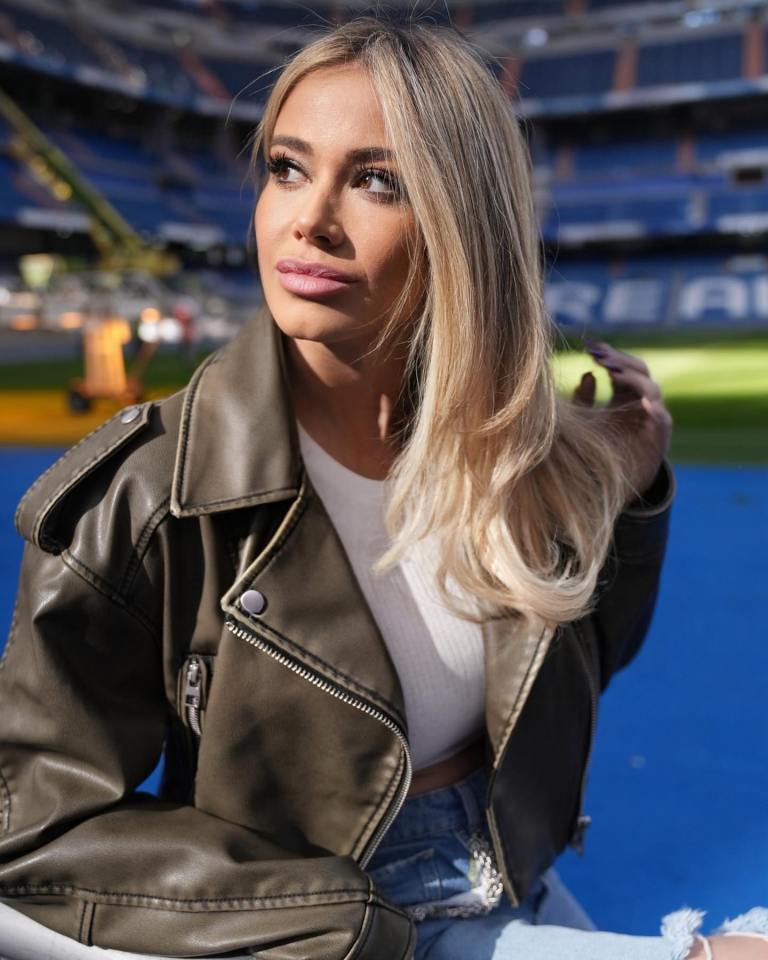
(280, 164)
(391, 185)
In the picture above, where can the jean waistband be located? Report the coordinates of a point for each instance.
(460, 806)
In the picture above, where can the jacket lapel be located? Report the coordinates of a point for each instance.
(316, 613)
(514, 652)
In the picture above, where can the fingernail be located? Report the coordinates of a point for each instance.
(596, 351)
(613, 366)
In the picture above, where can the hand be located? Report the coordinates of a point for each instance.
(636, 408)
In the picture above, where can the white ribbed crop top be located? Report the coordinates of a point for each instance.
(438, 656)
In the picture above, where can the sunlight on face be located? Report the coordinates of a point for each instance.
(328, 205)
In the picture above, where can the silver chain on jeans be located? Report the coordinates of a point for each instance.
(486, 877)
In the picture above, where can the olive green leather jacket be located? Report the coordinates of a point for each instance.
(184, 591)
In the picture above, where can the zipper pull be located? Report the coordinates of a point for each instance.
(577, 840)
(192, 694)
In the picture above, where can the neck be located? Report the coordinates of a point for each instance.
(346, 403)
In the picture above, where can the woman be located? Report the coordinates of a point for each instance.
(359, 762)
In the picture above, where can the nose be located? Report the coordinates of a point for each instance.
(317, 217)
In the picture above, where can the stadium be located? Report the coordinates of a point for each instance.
(127, 256)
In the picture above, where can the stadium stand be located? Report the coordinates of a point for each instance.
(578, 73)
(697, 60)
(626, 154)
(47, 38)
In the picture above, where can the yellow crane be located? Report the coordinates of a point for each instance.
(120, 248)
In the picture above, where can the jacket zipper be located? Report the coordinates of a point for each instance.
(192, 695)
(356, 702)
(583, 821)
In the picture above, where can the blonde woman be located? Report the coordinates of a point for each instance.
(362, 580)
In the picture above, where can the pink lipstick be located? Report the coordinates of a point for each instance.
(310, 278)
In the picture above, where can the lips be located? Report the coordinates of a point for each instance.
(312, 269)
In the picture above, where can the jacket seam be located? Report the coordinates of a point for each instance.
(117, 898)
(86, 922)
(55, 464)
(37, 531)
(278, 544)
(186, 418)
(5, 791)
(108, 591)
(5, 809)
(142, 544)
(12, 631)
(246, 500)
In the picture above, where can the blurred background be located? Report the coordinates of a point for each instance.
(125, 203)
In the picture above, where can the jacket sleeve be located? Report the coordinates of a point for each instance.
(82, 851)
(629, 580)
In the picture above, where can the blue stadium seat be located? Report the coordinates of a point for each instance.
(698, 60)
(95, 151)
(710, 147)
(162, 69)
(656, 214)
(56, 38)
(739, 200)
(10, 198)
(574, 74)
(625, 157)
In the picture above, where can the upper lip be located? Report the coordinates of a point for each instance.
(314, 269)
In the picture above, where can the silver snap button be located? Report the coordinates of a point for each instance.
(129, 415)
(252, 601)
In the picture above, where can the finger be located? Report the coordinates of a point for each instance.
(604, 353)
(584, 393)
(628, 383)
(658, 412)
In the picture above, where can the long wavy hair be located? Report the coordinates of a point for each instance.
(520, 485)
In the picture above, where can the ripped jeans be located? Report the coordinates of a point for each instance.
(433, 861)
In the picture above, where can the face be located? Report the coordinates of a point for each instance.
(333, 200)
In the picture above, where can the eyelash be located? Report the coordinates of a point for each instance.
(279, 162)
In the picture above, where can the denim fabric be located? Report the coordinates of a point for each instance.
(424, 856)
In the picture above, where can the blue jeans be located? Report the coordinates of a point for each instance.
(425, 857)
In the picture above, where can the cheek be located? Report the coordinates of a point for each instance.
(389, 259)
(266, 221)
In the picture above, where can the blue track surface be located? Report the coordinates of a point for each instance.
(679, 780)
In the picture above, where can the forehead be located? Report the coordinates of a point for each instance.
(334, 107)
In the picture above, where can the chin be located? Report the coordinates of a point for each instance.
(310, 320)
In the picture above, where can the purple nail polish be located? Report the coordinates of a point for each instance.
(613, 366)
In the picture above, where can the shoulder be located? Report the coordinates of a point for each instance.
(112, 483)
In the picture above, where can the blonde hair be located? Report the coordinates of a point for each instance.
(521, 485)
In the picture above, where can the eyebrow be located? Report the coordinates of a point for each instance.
(370, 154)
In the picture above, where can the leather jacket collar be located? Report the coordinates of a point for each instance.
(238, 444)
